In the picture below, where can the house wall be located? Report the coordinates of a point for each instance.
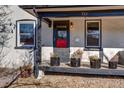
(16, 57)
(112, 37)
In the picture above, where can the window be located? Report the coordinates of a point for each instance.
(93, 34)
(26, 33)
(62, 34)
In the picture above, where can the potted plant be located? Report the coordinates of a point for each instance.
(54, 60)
(76, 57)
(95, 62)
(113, 62)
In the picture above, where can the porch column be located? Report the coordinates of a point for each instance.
(38, 41)
(37, 49)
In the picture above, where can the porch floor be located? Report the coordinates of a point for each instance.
(83, 69)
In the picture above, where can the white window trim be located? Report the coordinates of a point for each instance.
(18, 32)
(87, 21)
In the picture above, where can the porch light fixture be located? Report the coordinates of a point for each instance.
(71, 25)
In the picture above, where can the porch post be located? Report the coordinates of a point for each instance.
(37, 49)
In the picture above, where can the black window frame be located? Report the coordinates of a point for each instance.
(18, 45)
(100, 36)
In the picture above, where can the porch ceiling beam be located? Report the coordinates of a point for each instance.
(48, 21)
(83, 13)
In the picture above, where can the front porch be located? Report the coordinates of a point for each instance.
(83, 69)
(93, 32)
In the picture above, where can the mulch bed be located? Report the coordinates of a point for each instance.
(7, 76)
(57, 80)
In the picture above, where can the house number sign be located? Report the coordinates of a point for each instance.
(84, 13)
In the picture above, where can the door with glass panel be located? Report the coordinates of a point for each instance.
(61, 34)
(61, 40)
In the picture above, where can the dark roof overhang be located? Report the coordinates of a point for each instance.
(58, 6)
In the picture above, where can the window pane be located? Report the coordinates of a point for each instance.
(62, 34)
(27, 34)
(93, 40)
(93, 34)
(27, 39)
(26, 28)
(93, 25)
